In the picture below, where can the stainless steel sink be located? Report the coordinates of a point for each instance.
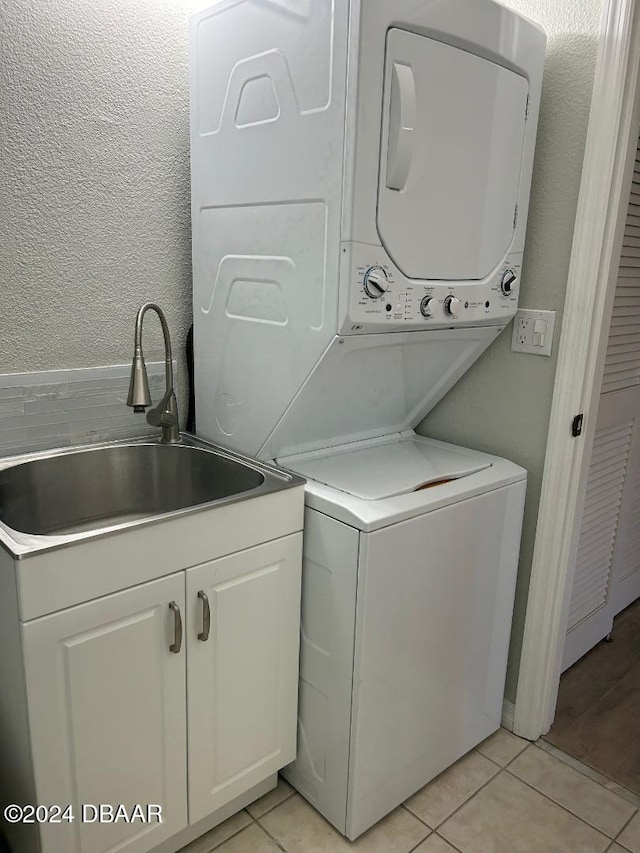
(72, 493)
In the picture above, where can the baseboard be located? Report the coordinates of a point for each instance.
(508, 709)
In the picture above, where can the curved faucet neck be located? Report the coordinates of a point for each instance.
(165, 414)
(168, 358)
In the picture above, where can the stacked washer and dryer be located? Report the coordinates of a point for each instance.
(360, 184)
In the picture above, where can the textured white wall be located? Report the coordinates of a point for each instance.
(503, 404)
(94, 123)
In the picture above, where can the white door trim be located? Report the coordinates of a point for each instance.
(588, 304)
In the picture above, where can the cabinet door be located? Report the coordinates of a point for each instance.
(243, 678)
(107, 713)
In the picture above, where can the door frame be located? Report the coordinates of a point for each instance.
(591, 285)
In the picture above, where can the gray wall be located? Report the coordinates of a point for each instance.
(502, 404)
(94, 123)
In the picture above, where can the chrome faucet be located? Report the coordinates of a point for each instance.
(165, 414)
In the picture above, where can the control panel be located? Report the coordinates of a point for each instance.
(375, 296)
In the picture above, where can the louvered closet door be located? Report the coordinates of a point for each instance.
(607, 574)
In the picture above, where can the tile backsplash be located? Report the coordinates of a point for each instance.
(58, 408)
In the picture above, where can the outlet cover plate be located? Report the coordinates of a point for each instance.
(533, 331)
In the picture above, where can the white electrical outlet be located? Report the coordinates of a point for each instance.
(533, 331)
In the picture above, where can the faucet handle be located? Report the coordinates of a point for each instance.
(165, 413)
(161, 417)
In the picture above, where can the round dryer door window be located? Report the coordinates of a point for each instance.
(452, 142)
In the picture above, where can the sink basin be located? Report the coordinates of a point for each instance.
(75, 492)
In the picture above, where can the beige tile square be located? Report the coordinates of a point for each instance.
(218, 834)
(615, 848)
(440, 798)
(507, 816)
(250, 840)
(585, 798)
(300, 829)
(630, 836)
(502, 747)
(279, 794)
(435, 844)
(398, 832)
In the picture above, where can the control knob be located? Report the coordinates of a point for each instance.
(507, 283)
(452, 306)
(375, 282)
(425, 308)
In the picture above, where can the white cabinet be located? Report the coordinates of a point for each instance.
(107, 715)
(242, 673)
(123, 693)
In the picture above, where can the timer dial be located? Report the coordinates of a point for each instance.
(376, 282)
(452, 306)
(508, 282)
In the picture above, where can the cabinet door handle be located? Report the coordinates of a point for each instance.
(177, 628)
(206, 616)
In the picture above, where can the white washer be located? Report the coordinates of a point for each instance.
(406, 614)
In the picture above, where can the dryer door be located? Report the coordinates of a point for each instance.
(452, 139)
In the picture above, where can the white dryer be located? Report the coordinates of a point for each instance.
(360, 186)
(410, 549)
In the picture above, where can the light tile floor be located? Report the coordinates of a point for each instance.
(506, 796)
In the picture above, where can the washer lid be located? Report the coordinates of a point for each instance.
(387, 467)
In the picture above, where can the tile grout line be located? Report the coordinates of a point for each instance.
(589, 772)
(623, 829)
(417, 817)
(252, 819)
(621, 846)
(570, 764)
(415, 847)
(257, 820)
(266, 831)
(513, 776)
(435, 830)
(229, 837)
(277, 805)
(516, 757)
(457, 809)
(450, 843)
(501, 766)
(293, 792)
(565, 808)
(533, 788)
